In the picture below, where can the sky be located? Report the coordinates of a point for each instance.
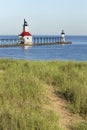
(45, 17)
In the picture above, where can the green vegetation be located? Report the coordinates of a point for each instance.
(22, 92)
(80, 126)
(22, 96)
(69, 78)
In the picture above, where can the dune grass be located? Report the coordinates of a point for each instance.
(70, 79)
(22, 92)
(22, 96)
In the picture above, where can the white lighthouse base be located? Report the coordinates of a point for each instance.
(26, 40)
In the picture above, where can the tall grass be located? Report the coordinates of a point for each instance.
(69, 78)
(22, 96)
(22, 92)
(73, 82)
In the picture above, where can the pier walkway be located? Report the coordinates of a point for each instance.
(37, 41)
(37, 44)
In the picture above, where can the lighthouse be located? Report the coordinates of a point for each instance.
(25, 37)
(62, 39)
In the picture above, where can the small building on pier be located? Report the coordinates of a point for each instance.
(25, 37)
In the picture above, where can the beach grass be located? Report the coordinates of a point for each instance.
(22, 92)
(69, 79)
(22, 96)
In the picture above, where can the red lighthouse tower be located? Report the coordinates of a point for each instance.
(25, 37)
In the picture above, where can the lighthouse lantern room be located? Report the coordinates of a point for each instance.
(25, 37)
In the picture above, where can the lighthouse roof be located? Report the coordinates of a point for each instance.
(24, 33)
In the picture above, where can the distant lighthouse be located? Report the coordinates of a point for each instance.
(62, 39)
(25, 37)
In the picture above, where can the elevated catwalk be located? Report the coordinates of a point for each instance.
(37, 41)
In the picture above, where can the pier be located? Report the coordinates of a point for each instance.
(40, 44)
(36, 41)
(25, 38)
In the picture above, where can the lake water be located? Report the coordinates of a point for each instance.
(75, 51)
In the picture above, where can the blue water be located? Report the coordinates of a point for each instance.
(76, 51)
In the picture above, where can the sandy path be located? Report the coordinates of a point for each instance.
(58, 105)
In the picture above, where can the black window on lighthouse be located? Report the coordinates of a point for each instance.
(25, 23)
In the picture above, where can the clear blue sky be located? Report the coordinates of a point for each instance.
(44, 16)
